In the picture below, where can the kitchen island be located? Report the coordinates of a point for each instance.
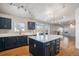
(44, 46)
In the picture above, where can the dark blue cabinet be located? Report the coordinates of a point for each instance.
(47, 49)
(57, 46)
(38, 48)
(1, 44)
(32, 46)
(5, 23)
(21, 40)
(10, 42)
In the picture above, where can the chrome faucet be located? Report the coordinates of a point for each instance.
(20, 32)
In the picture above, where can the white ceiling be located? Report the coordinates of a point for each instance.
(50, 12)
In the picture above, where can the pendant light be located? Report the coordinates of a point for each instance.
(71, 26)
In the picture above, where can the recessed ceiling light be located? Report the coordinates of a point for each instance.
(49, 13)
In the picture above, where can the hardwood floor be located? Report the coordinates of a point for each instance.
(70, 50)
(21, 51)
(24, 50)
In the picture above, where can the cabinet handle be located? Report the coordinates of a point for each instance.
(5, 25)
(48, 44)
(58, 40)
(34, 45)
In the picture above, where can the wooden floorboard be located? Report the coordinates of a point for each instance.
(21, 51)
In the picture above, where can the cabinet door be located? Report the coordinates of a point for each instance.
(1, 44)
(24, 40)
(36, 47)
(53, 47)
(10, 42)
(21, 40)
(50, 48)
(47, 49)
(32, 47)
(39, 46)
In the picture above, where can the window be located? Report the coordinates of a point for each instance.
(41, 26)
(19, 27)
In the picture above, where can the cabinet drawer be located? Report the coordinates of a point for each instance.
(53, 42)
(58, 40)
(47, 44)
(57, 47)
(57, 43)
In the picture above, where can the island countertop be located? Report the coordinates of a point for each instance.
(47, 38)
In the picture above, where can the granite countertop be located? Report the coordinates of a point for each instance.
(47, 38)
